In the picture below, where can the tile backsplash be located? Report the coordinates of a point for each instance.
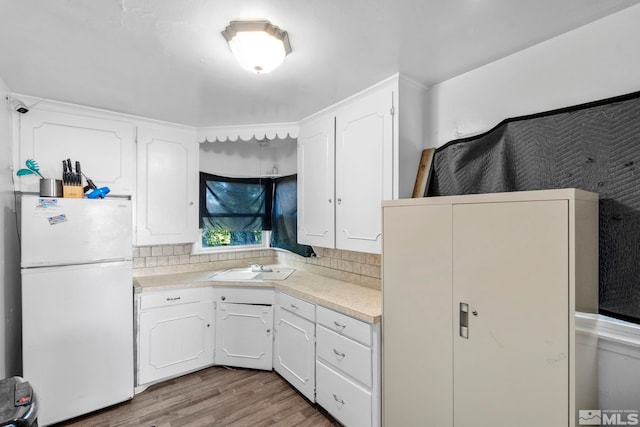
(355, 267)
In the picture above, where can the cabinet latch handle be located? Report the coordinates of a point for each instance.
(173, 298)
(337, 399)
(464, 320)
(339, 354)
(295, 307)
(339, 325)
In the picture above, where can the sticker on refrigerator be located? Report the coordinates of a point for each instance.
(58, 219)
(47, 207)
(47, 203)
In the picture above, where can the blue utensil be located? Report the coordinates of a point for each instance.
(99, 192)
(32, 165)
(22, 172)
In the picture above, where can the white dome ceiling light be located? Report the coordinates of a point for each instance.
(259, 46)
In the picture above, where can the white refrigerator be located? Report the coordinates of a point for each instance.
(77, 304)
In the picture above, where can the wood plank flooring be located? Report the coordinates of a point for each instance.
(216, 396)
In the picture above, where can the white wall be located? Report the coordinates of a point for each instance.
(10, 312)
(248, 159)
(618, 366)
(596, 61)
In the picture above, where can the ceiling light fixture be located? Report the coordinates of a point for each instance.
(259, 46)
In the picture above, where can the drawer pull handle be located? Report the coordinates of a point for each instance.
(337, 399)
(173, 298)
(338, 354)
(339, 325)
(295, 307)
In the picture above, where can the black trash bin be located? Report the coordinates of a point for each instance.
(17, 403)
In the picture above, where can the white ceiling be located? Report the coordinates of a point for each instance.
(166, 59)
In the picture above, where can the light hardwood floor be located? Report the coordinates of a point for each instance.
(216, 396)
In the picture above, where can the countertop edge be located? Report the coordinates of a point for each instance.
(201, 279)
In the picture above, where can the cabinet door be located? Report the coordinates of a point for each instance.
(167, 195)
(294, 352)
(511, 268)
(364, 167)
(175, 340)
(105, 149)
(316, 215)
(244, 336)
(417, 317)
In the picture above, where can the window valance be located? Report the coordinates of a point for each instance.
(246, 133)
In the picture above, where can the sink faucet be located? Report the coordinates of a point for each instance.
(258, 268)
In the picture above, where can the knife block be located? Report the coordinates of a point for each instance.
(73, 191)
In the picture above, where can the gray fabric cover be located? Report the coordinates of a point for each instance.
(595, 147)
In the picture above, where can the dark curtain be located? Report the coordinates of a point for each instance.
(594, 147)
(239, 204)
(249, 204)
(285, 217)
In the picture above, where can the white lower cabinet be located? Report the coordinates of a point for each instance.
(348, 368)
(175, 333)
(331, 358)
(244, 328)
(347, 401)
(294, 351)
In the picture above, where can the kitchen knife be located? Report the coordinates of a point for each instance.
(78, 173)
(70, 171)
(65, 173)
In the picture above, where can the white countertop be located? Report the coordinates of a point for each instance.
(360, 302)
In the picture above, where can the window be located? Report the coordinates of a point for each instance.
(239, 212)
(234, 211)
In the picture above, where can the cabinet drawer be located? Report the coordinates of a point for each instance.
(238, 295)
(350, 357)
(346, 401)
(297, 306)
(175, 297)
(345, 325)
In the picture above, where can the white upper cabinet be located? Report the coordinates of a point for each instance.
(104, 147)
(364, 168)
(377, 136)
(316, 148)
(167, 185)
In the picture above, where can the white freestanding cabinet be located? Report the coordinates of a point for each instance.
(167, 186)
(377, 136)
(175, 333)
(103, 146)
(294, 351)
(244, 327)
(479, 298)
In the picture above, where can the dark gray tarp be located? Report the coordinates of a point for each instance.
(284, 217)
(594, 147)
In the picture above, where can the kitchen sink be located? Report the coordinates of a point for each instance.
(249, 274)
